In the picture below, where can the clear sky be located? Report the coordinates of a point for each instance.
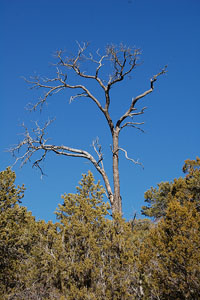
(167, 31)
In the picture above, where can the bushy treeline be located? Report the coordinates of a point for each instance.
(89, 255)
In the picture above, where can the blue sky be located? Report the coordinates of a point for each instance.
(168, 32)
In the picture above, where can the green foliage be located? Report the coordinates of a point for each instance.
(15, 239)
(82, 222)
(9, 194)
(88, 255)
(157, 199)
(182, 189)
(23, 246)
(170, 256)
(192, 170)
(97, 252)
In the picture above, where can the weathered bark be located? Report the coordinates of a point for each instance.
(117, 205)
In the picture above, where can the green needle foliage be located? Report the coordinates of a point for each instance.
(170, 256)
(9, 193)
(16, 234)
(90, 255)
(97, 252)
(182, 189)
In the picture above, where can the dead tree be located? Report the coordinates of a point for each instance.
(123, 60)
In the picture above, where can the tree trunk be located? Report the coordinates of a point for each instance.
(117, 205)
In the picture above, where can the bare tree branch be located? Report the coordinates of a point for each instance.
(136, 162)
(137, 113)
(122, 58)
(98, 149)
(72, 98)
(136, 99)
(37, 142)
(133, 124)
(53, 89)
(74, 63)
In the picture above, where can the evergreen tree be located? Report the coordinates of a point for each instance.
(27, 261)
(98, 260)
(170, 255)
(16, 224)
(182, 189)
(89, 255)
